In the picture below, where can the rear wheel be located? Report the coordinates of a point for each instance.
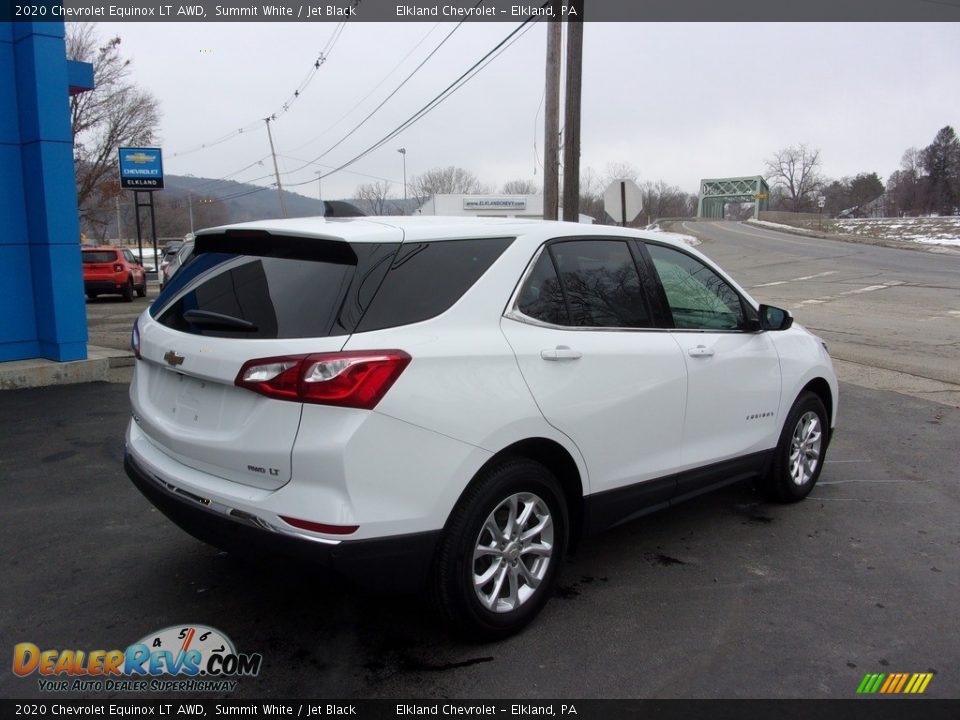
(128, 290)
(142, 290)
(800, 453)
(499, 557)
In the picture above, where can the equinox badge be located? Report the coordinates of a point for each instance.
(173, 359)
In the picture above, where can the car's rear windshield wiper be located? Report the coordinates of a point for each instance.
(206, 318)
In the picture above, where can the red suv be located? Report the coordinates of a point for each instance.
(112, 270)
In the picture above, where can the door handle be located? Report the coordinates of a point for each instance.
(561, 352)
(700, 351)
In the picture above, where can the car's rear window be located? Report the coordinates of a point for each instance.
(99, 256)
(270, 287)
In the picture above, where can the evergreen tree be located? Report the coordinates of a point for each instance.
(941, 161)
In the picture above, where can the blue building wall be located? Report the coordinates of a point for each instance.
(42, 305)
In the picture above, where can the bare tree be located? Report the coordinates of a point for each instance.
(619, 171)
(796, 171)
(375, 195)
(445, 181)
(114, 114)
(520, 187)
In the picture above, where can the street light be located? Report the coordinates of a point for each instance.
(403, 151)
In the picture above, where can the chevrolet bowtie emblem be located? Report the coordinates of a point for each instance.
(173, 359)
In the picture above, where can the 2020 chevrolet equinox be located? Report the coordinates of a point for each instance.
(455, 401)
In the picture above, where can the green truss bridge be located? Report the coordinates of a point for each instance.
(715, 193)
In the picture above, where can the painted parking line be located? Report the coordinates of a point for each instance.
(857, 291)
(799, 279)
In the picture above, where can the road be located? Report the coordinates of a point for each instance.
(879, 309)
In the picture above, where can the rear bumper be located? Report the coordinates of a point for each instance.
(106, 286)
(399, 562)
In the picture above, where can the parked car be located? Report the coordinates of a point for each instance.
(110, 270)
(458, 401)
(170, 267)
(170, 251)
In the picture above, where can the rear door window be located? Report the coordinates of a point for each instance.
(586, 283)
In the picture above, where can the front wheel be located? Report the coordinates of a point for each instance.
(142, 290)
(503, 545)
(128, 291)
(800, 453)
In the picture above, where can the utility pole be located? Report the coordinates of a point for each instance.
(276, 170)
(119, 230)
(190, 203)
(551, 125)
(571, 130)
(403, 151)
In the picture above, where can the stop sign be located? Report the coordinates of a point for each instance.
(623, 200)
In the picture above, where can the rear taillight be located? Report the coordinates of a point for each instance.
(135, 339)
(117, 267)
(357, 379)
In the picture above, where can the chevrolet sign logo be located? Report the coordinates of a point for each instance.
(173, 359)
(140, 158)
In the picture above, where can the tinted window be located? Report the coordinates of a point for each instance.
(129, 256)
(600, 283)
(426, 278)
(99, 256)
(275, 288)
(698, 297)
(541, 297)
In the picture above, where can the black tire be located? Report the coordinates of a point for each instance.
(807, 429)
(128, 290)
(536, 490)
(142, 290)
(92, 295)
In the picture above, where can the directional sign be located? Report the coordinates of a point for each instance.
(141, 169)
(623, 200)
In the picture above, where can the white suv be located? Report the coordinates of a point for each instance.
(459, 400)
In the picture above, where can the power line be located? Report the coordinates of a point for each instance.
(372, 90)
(287, 104)
(388, 97)
(440, 97)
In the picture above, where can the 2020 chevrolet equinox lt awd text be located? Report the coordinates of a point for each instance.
(455, 401)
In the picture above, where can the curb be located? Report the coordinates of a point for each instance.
(99, 366)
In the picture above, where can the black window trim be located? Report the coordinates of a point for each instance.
(512, 309)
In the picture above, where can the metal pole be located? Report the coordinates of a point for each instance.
(276, 170)
(119, 230)
(551, 123)
(571, 142)
(623, 204)
(136, 214)
(403, 151)
(153, 229)
(190, 202)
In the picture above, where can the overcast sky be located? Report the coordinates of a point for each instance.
(679, 102)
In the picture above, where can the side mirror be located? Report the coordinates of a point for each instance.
(774, 318)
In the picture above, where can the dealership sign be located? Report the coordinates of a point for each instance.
(494, 203)
(141, 169)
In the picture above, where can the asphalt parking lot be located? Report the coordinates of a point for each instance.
(723, 597)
